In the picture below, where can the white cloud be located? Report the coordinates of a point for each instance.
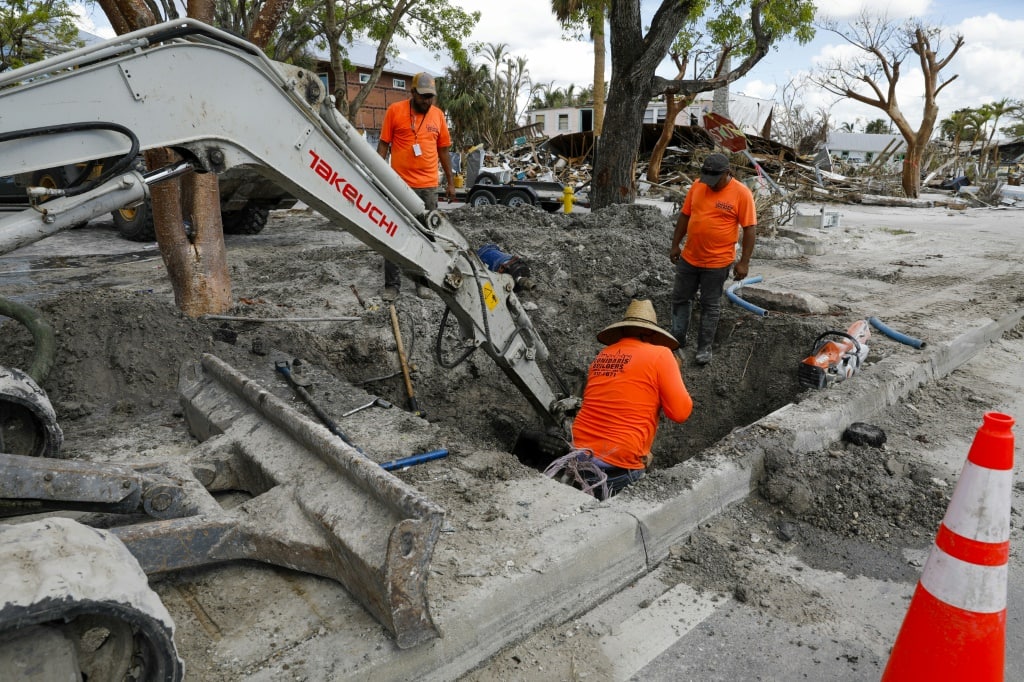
(91, 19)
(530, 30)
(894, 9)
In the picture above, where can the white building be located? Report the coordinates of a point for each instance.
(749, 113)
(865, 147)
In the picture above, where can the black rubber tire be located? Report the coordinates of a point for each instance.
(517, 198)
(250, 220)
(135, 224)
(482, 197)
(860, 433)
(486, 179)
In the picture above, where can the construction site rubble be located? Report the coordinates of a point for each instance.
(819, 177)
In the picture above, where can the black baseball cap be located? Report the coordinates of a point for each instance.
(715, 165)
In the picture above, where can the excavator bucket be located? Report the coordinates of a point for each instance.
(318, 505)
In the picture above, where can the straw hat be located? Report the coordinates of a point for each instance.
(640, 318)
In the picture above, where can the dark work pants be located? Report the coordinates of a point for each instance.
(393, 273)
(710, 282)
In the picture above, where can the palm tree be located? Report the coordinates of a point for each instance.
(954, 129)
(997, 109)
(593, 12)
(464, 95)
(879, 126)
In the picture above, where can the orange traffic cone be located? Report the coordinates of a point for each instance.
(955, 628)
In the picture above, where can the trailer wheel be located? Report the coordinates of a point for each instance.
(517, 198)
(249, 220)
(482, 197)
(136, 223)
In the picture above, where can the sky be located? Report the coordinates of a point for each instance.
(989, 67)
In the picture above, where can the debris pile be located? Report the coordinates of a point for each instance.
(817, 178)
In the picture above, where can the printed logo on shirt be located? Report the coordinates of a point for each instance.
(725, 206)
(609, 364)
(432, 128)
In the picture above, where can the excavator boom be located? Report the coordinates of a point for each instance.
(220, 102)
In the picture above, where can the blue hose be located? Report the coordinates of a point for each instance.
(902, 338)
(730, 293)
(414, 459)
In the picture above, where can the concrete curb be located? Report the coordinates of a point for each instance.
(599, 548)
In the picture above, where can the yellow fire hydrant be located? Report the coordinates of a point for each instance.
(568, 198)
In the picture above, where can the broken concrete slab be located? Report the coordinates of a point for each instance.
(784, 301)
(777, 249)
(811, 245)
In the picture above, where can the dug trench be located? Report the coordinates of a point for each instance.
(121, 342)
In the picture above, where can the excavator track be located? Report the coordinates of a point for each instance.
(78, 606)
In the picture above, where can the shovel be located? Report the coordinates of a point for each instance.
(413, 407)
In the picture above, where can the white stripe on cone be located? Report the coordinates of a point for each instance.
(980, 508)
(966, 586)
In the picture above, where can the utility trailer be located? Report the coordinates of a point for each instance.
(546, 195)
(488, 186)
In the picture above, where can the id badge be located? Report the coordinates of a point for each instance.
(416, 151)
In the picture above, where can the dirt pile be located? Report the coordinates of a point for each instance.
(114, 382)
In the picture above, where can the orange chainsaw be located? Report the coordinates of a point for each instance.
(833, 360)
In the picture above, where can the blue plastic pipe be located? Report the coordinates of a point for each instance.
(731, 294)
(492, 256)
(413, 459)
(895, 335)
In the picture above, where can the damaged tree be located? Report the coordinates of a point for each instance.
(885, 47)
(196, 264)
(636, 56)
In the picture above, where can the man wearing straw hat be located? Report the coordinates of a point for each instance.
(634, 379)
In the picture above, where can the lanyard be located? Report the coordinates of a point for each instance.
(412, 119)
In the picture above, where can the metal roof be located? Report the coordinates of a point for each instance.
(863, 142)
(363, 54)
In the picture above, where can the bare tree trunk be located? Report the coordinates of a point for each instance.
(614, 180)
(269, 18)
(117, 20)
(599, 56)
(673, 106)
(911, 178)
(198, 269)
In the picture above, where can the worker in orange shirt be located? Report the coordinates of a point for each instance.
(416, 135)
(631, 382)
(715, 210)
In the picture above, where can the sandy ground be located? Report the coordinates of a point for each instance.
(931, 273)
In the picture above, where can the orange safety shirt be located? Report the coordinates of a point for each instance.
(715, 219)
(629, 382)
(403, 127)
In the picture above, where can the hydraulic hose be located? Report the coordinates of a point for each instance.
(731, 294)
(42, 337)
(895, 335)
(80, 185)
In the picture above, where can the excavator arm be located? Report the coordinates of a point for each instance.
(220, 103)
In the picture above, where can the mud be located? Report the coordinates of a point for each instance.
(121, 342)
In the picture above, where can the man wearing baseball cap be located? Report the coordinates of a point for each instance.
(416, 135)
(715, 210)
